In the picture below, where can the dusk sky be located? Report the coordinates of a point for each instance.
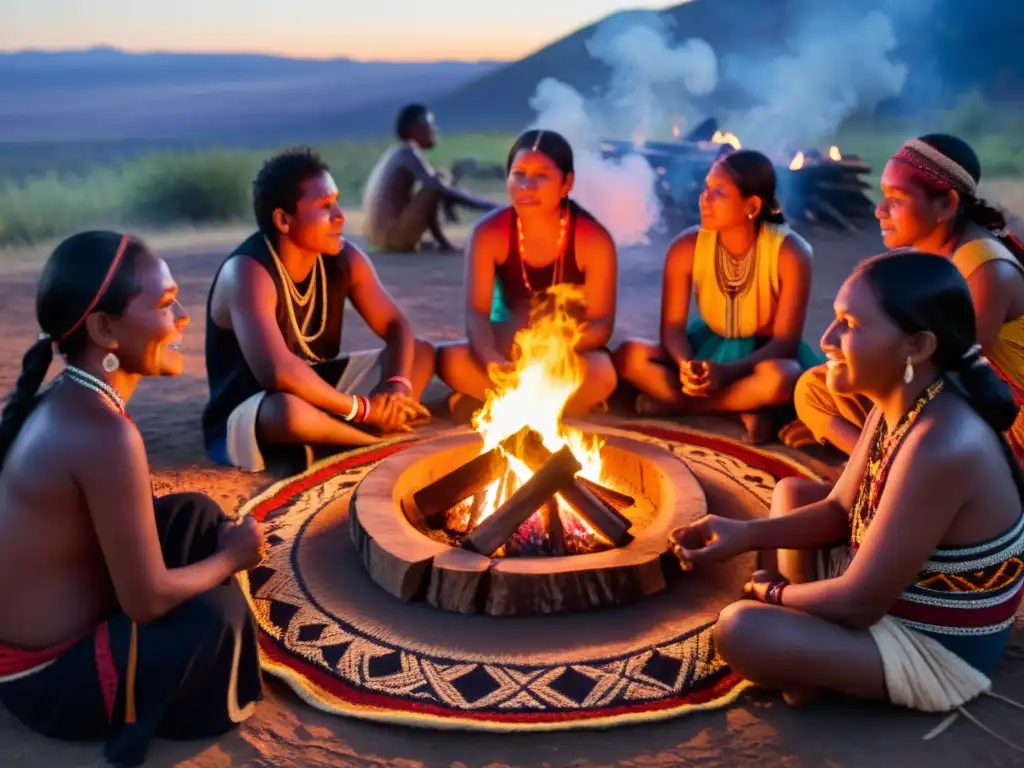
(379, 29)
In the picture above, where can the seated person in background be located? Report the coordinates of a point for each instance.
(515, 254)
(752, 279)
(907, 572)
(395, 218)
(930, 203)
(121, 619)
(274, 327)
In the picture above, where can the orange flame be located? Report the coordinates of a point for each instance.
(798, 162)
(675, 130)
(835, 154)
(727, 137)
(546, 373)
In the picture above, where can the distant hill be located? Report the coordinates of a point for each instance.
(950, 47)
(102, 94)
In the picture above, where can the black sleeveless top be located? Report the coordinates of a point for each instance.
(230, 377)
(510, 290)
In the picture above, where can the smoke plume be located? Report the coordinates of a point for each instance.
(838, 61)
(621, 193)
(838, 64)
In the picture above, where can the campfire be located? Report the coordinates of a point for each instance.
(526, 514)
(827, 188)
(539, 486)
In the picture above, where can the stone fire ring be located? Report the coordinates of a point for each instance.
(411, 566)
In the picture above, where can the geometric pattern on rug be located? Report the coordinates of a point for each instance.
(340, 669)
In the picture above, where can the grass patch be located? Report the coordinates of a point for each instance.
(85, 185)
(197, 188)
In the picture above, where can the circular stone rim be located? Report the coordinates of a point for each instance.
(410, 565)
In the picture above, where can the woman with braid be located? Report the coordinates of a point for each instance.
(122, 618)
(930, 203)
(901, 583)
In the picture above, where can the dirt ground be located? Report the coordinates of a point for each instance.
(760, 730)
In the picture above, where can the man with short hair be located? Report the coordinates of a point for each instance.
(274, 325)
(396, 218)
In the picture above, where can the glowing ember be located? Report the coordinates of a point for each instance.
(835, 154)
(798, 162)
(545, 374)
(726, 137)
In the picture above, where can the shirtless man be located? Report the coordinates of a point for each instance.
(396, 219)
(274, 323)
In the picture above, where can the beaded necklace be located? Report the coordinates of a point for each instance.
(85, 379)
(880, 459)
(558, 267)
(292, 296)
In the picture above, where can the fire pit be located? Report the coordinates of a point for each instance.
(527, 572)
(529, 514)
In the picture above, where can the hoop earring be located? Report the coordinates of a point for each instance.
(908, 371)
(110, 362)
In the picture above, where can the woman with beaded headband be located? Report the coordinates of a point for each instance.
(752, 277)
(121, 619)
(902, 582)
(930, 203)
(515, 254)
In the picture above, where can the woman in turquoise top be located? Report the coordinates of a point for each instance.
(514, 256)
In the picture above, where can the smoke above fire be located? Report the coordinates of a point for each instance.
(839, 61)
(637, 47)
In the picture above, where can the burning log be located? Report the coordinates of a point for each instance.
(469, 479)
(612, 524)
(555, 531)
(554, 476)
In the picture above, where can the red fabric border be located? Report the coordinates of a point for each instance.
(334, 687)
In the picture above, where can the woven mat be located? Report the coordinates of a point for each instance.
(347, 647)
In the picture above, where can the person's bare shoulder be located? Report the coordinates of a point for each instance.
(683, 245)
(593, 232)
(491, 231)
(951, 442)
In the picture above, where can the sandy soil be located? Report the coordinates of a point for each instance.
(760, 730)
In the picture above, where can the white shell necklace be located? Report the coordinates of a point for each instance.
(96, 384)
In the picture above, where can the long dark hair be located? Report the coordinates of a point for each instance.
(754, 175)
(73, 276)
(557, 149)
(925, 292)
(973, 209)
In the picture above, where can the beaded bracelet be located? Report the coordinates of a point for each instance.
(400, 380)
(773, 594)
(355, 409)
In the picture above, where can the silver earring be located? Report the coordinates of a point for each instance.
(908, 371)
(110, 362)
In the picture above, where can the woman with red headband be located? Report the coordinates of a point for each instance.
(121, 617)
(930, 203)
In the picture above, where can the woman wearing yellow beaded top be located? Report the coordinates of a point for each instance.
(518, 252)
(752, 277)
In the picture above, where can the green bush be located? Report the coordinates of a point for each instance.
(205, 187)
(192, 188)
(201, 187)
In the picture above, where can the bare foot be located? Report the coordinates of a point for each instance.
(462, 407)
(796, 435)
(646, 405)
(801, 697)
(758, 426)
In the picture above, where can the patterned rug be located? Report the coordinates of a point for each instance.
(347, 647)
